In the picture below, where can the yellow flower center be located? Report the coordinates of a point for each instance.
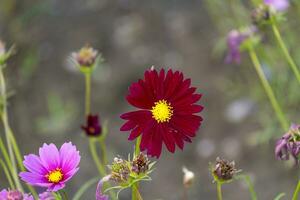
(86, 53)
(55, 176)
(162, 111)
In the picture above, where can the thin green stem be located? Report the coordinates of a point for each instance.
(64, 195)
(135, 187)
(95, 157)
(7, 174)
(5, 154)
(135, 193)
(296, 192)
(250, 186)
(7, 132)
(137, 146)
(103, 151)
(285, 51)
(87, 93)
(268, 89)
(219, 190)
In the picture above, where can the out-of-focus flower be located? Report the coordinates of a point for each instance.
(14, 195)
(140, 164)
(93, 126)
(86, 56)
(224, 170)
(261, 15)
(46, 196)
(235, 38)
(188, 177)
(86, 59)
(167, 114)
(289, 144)
(99, 194)
(53, 167)
(278, 5)
(120, 170)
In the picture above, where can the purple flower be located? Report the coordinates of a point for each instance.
(278, 5)
(289, 144)
(14, 195)
(234, 40)
(93, 126)
(53, 167)
(99, 194)
(46, 196)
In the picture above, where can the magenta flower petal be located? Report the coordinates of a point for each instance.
(69, 156)
(33, 164)
(46, 196)
(53, 168)
(49, 156)
(14, 195)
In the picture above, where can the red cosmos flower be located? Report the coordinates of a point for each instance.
(166, 114)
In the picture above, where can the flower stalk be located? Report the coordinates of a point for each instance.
(219, 190)
(135, 187)
(284, 50)
(296, 192)
(268, 89)
(7, 131)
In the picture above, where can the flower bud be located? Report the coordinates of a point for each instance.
(140, 164)
(261, 15)
(224, 170)
(93, 126)
(188, 177)
(86, 58)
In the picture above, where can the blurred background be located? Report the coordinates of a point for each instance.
(47, 104)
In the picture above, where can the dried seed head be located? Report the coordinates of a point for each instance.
(140, 164)
(224, 170)
(119, 170)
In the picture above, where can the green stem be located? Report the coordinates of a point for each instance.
(295, 195)
(219, 190)
(64, 195)
(96, 157)
(7, 132)
(135, 193)
(285, 51)
(137, 146)
(5, 154)
(135, 187)
(268, 89)
(103, 151)
(250, 187)
(87, 93)
(6, 171)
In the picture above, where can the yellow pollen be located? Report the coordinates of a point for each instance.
(55, 176)
(162, 111)
(86, 53)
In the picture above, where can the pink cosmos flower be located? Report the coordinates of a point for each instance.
(53, 167)
(15, 195)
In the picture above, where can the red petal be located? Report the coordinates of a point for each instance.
(128, 126)
(168, 138)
